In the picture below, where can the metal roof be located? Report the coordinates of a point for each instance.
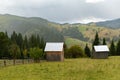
(56, 46)
(101, 48)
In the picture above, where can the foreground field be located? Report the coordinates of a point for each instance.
(70, 69)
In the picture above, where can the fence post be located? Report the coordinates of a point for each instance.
(4, 62)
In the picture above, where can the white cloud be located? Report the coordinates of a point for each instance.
(63, 10)
(94, 1)
(85, 20)
(90, 19)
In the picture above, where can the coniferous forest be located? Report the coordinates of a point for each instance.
(18, 46)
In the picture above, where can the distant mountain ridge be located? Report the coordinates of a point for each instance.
(56, 32)
(110, 23)
(28, 26)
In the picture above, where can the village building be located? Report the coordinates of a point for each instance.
(100, 52)
(54, 51)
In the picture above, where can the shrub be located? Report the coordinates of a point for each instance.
(75, 52)
(36, 54)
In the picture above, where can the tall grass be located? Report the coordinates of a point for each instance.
(70, 69)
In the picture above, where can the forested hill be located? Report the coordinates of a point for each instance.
(28, 26)
(50, 31)
(110, 24)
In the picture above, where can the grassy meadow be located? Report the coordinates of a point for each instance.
(72, 41)
(70, 69)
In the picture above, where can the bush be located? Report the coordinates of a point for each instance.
(74, 52)
(36, 54)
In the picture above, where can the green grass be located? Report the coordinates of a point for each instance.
(17, 62)
(72, 41)
(82, 28)
(70, 69)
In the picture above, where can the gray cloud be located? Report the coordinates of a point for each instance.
(62, 10)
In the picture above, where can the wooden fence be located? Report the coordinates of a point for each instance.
(8, 62)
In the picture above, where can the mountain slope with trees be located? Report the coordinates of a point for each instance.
(110, 24)
(51, 31)
(29, 26)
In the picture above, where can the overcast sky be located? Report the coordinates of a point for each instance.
(62, 11)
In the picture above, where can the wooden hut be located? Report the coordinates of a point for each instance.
(100, 52)
(54, 51)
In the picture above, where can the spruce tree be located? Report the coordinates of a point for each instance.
(20, 40)
(38, 41)
(118, 48)
(14, 37)
(42, 43)
(4, 42)
(104, 41)
(96, 41)
(87, 51)
(32, 41)
(65, 50)
(25, 43)
(112, 49)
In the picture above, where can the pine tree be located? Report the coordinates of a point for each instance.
(65, 50)
(42, 43)
(96, 41)
(87, 51)
(112, 49)
(118, 48)
(25, 43)
(104, 41)
(38, 41)
(4, 42)
(14, 37)
(32, 41)
(20, 40)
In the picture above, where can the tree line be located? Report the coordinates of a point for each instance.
(114, 49)
(17, 46)
(77, 51)
(20, 47)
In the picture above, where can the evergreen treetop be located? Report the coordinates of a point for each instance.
(104, 41)
(87, 51)
(112, 49)
(96, 41)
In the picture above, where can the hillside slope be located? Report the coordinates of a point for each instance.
(110, 24)
(57, 32)
(87, 33)
(28, 26)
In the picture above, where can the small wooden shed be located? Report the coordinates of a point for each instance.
(54, 51)
(100, 52)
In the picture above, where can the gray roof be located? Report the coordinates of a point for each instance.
(56, 46)
(101, 48)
